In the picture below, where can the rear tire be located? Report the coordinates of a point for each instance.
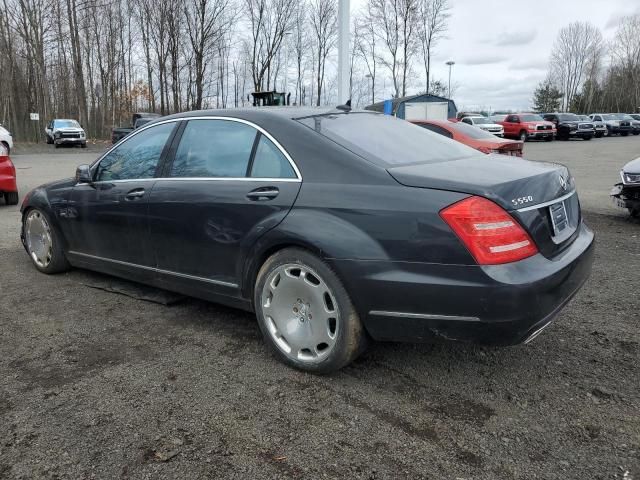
(43, 243)
(305, 314)
(11, 198)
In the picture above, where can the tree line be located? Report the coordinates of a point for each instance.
(589, 74)
(100, 60)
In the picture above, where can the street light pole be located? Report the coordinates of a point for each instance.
(343, 51)
(451, 63)
(369, 78)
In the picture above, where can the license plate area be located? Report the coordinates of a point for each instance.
(559, 218)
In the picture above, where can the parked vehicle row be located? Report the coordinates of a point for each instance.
(335, 227)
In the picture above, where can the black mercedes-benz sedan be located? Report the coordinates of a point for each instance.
(334, 227)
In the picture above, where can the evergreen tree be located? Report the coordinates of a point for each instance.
(547, 97)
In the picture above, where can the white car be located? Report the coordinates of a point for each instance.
(6, 139)
(65, 132)
(485, 124)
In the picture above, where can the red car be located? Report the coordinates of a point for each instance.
(528, 126)
(8, 185)
(473, 137)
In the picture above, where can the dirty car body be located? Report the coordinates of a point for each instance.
(384, 203)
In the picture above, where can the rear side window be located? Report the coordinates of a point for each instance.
(137, 157)
(386, 140)
(214, 148)
(270, 162)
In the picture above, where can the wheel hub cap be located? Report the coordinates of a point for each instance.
(38, 237)
(300, 312)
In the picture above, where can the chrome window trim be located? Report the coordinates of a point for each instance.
(157, 270)
(211, 117)
(423, 316)
(546, 204)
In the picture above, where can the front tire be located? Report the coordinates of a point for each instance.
(43, 243)
(624, 134)
(305, 314)
(523, 136)
(11, 198)
(586, 138)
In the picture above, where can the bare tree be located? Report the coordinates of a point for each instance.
(365, 40)
(323, 20)
(433, 23)
(269, 21)
(571, 56)
(396, 24)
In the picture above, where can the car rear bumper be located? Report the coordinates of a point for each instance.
(497, 305)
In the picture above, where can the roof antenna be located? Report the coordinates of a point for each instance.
(346, 107)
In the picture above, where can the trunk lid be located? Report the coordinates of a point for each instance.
(541, 196)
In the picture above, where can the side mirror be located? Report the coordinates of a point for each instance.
(83, 174)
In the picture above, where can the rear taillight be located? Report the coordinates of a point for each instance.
(490, 234)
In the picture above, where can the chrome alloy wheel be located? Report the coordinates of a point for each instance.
(38, 237)
(301, 313)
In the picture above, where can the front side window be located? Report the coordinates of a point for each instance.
(270, 162)
(214, 148)
(137, 157)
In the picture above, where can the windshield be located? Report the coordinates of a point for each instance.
(473, 132)
(584, 117)
(498, 118)
(608, 117)
(529, 117)
(626, 116)
(66, 124)
(568, 117)
(386, 140)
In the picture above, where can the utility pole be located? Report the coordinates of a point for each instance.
(343, 50)
(451, 63)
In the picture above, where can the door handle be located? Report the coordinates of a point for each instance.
(263, 193)
(134, 194)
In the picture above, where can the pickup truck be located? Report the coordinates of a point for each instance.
(528, 126)
(137, 121)
(60, 131)
(569, 125)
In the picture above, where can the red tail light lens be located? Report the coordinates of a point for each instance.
(490, 234)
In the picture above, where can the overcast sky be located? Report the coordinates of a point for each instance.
(501, 48)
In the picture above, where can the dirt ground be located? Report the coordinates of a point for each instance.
(95, 384)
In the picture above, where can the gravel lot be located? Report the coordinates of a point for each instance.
(100, 385)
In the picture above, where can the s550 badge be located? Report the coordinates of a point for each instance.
(522, 200)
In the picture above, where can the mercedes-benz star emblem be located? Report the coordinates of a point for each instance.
(563, 182)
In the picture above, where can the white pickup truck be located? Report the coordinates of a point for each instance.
(65, 132)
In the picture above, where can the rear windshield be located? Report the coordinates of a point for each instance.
(473, 132)
(386, 140)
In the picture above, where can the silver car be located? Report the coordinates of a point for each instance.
(486, 124)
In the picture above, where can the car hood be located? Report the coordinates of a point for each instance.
(497, 177)
(632, 167)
